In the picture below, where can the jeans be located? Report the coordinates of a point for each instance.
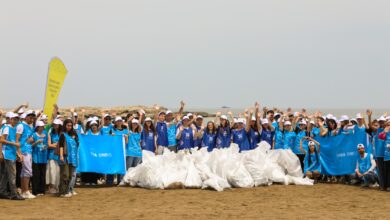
(8, 177)
(369, 178)
(67, 178)
(132, 161)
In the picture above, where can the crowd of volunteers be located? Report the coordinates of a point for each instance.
(38, 156)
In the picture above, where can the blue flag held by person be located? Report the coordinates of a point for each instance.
(102, 154)
(338, 154)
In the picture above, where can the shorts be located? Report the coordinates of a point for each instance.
(26, 166)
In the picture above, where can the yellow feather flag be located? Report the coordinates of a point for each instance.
(55, 80)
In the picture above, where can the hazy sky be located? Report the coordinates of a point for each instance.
(312, 53)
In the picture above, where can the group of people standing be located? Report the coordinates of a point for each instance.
(43, 153)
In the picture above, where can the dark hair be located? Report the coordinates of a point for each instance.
(53, 131)
(138, 129)
(214, 131)
(270, 111)
(71, 133)
(151, 129)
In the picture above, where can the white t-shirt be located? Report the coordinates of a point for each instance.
(19, 129)
(5, 131)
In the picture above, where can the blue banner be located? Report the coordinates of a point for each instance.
(338, 154)
(102, 154)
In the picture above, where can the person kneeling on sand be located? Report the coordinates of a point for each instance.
(312, 165)
(365, 168)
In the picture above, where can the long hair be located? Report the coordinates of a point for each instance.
(213, 131)
(72, 132)
(150, 129)
(53, 130)
(315, 152)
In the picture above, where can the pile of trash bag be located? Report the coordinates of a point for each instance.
(220, 169)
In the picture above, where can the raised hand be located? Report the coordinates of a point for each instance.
(369, 112)
(182, 104)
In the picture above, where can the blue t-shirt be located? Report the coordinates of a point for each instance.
(224, 137)
(267, 136)
(40, 151)
(148, 141)
(289, 140)
(254, 138)
(209, 140)
(54, 139)
(378, 144)
(279, 139)
(72, 147)
(241, 138)
(162, 134)
(298, 139)
(186, 140)
(133, 148)
(387, 147)
(9, 151)
(28, 131)
(172, 135)
(364, 164)
(106, 130)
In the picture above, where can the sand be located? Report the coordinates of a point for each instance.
(276, 202)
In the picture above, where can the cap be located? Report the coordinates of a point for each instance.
(23, 116)
(57, 122)
(118, 119)
(359, 116)
(382, 118)
(360, 146)
(3, 121)
(224, 117)
(253, 118)
(199, 117)
(186, 118)
(134, 121)
(388, 118)
(39, 124)
(312, 122)
(241, 121)
(75, 114)
(277, 114)
(148, 119)
(169, 112)
(93, 123)
(30, 112)
(13, 115)
(286, 123)
(44, 117)
(311, 143)
(90, 119)
(344, 118)
(189, 114)
(8, 114)
(303, 122)
(264, 121)
(95, 118)
(106, 116)
(354, 119)
(329, 116)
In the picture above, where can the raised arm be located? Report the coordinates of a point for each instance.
(257, 115)
(301, 145)
(369, 115)
(248, 120)
(25, 105)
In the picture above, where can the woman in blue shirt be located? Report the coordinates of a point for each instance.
(148, 137)
(209, 138)
(40, 156)
(133, 148)
(312, 158)
(68, 159)
(53, 169)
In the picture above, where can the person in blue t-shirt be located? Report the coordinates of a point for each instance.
(68, 159)
(148, 136)
(172, 124)
(224, 133)
(312, 168)
(267, 133)
(10, 152)
(53, 168)
(39, 156)
(133, 148)
(106, 125)
(161, 130)
(241, 134)
(186, 135)
(209, 136)
(365, 168)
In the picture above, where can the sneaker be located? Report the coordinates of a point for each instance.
(68, 195)
(121, 183)
(52, 191)
(28, 195)
(74, 193)
(17, 197)
(40, 194)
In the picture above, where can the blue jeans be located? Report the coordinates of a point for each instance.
(132, 161)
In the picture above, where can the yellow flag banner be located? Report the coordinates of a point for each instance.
(55, 80)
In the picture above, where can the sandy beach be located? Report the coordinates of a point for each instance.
(322, 201)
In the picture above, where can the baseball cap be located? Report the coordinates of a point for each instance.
(57, 122)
